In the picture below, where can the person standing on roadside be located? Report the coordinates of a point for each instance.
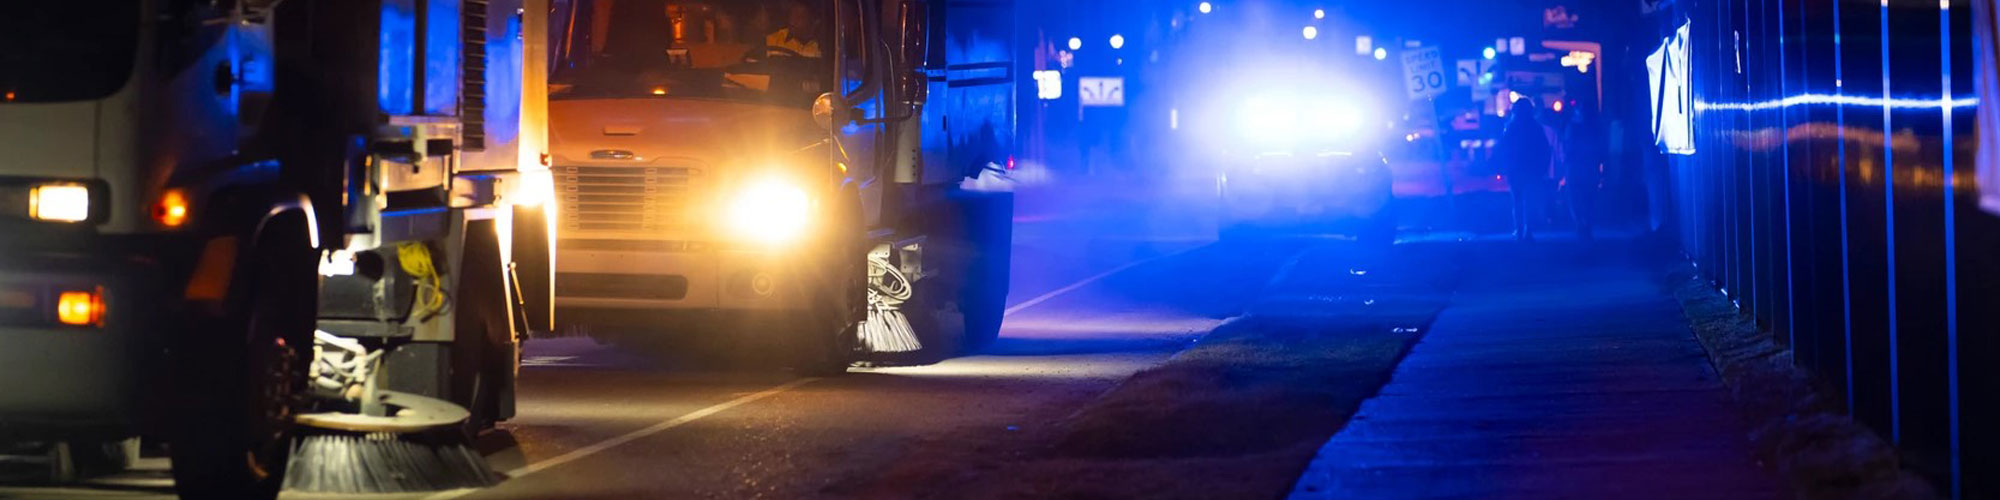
(1583, 159)
(1527, 151)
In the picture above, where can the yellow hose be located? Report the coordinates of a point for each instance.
(416, 260)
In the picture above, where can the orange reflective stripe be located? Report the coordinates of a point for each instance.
(210, 281)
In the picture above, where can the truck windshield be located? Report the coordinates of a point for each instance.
(767, 51)
(71, 50)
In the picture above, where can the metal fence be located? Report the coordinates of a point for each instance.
(1832, 195)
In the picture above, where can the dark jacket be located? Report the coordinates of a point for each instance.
(1524, 149)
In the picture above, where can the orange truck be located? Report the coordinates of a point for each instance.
(801, 170)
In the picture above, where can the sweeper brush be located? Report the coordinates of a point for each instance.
(385, 463)
(886, 330)
(418, 449)
(382, 441)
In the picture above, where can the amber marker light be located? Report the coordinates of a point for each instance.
(80, 308)
(172, 209)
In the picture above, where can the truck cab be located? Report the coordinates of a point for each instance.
(684, 148)
(73, 281)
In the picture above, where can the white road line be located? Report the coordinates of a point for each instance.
(601, 446)
(1093, 279)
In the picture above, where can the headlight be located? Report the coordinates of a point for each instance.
(1335, 119)
(1262, 120)
(770, 211)
(59, 202)
(1285, 122)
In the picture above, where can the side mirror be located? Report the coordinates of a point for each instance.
(822, 111)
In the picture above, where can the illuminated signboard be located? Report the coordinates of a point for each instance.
(1101, 91)
(1048, 84)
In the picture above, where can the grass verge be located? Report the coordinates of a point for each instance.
(1817, 448)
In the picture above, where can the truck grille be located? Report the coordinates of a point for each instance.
(624, 198)
(621, 286)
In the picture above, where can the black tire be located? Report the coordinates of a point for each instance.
(244, 375)
(983, 291)
(824, 340)
(823, 345)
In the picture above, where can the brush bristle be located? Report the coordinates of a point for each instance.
(888, 331)
(384, 463)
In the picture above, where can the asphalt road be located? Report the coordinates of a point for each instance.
(1101, 289)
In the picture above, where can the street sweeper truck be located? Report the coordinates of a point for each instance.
(267, 231)
(825, 176)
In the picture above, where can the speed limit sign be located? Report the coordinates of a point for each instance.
(1423, 72)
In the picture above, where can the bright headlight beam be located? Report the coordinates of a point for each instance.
(60, 202)
(770, 211)
(1285, 120)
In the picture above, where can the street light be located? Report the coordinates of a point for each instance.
(1319, 13)
(1489, 53)
(1205, 7)
(1381, 54)
(1311, 32)
(1075, 43)
(1117, 41)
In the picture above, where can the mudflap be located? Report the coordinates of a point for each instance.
(533, 269)
(484, 351)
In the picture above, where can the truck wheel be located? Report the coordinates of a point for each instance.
(827, 341)
(821, 355)
(982, 300)
(245, 380)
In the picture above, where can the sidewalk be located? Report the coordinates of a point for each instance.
(1559, 371)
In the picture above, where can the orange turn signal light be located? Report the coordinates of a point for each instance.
(80, 308)
(172, 209)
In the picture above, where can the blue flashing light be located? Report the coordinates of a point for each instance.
(1841, 100)
(394, 71)
(441, 53)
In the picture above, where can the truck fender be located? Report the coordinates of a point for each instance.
(298, 203)
(208, 285)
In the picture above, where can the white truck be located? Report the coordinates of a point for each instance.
(204, 201)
